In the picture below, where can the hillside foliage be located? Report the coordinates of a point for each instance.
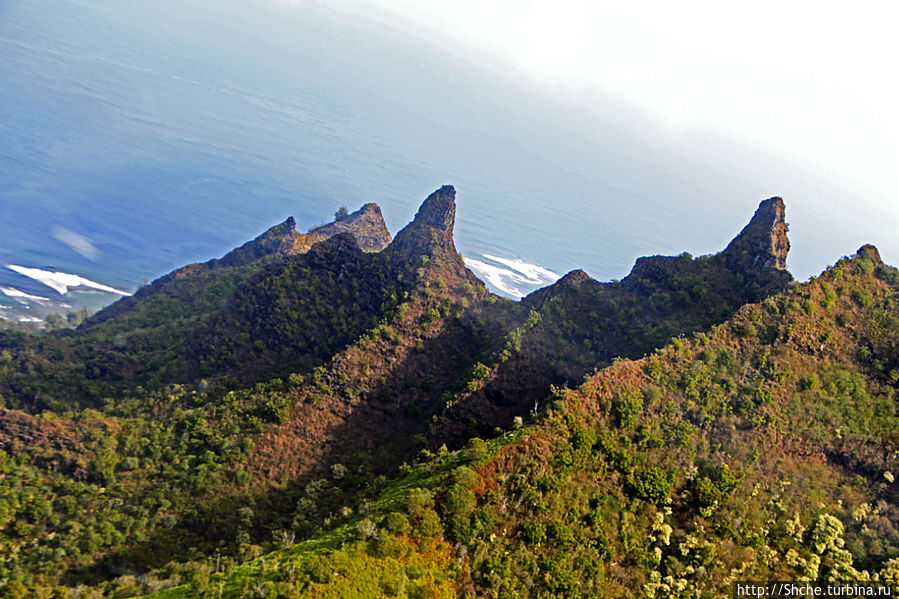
(358, 416)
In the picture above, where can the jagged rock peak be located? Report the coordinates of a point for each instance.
(273, 240)
(763, 243)
(438, 210)
(284, 229)
(869, 252)
(431, 231)
(368, 212)
(367, 224)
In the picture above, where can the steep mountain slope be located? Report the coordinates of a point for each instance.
(173, 458)
(578, 324)
(287, 408)
(197, 289)
(133, 340)
(300, 311)
(454, 363)
(764, 450)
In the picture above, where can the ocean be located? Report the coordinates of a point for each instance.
(136, 137)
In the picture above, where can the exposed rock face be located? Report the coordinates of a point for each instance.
(366, 225)
(431, 231)
(758, 254)
(438, 209)
(575, 277)
(763, 243)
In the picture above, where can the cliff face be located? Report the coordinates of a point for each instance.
(763, 243)
(431, 231)
(758, 253)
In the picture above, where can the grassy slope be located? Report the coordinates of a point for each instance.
(568, 330)
(763, 450)
(184, 473)
(180, 464)
(174, 462)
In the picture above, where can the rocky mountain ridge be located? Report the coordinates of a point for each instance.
(275, 392)
(366, 225)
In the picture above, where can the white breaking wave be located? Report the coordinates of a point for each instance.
(533, 272)
(28, 319)
(501, 279)
(509, 281)
(21, 295)
(63, 282)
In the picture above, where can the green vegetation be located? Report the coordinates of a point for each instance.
(313, 424)
(718, 472)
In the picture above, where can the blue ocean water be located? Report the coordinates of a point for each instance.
(136, 137)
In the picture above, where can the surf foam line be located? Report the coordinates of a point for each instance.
(514, 274)
(535, 274)
(62, 282)
(502, 279)
(21, 295)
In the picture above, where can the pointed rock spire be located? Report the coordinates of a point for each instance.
(438, 210)
(763, 243)
(431, 231)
